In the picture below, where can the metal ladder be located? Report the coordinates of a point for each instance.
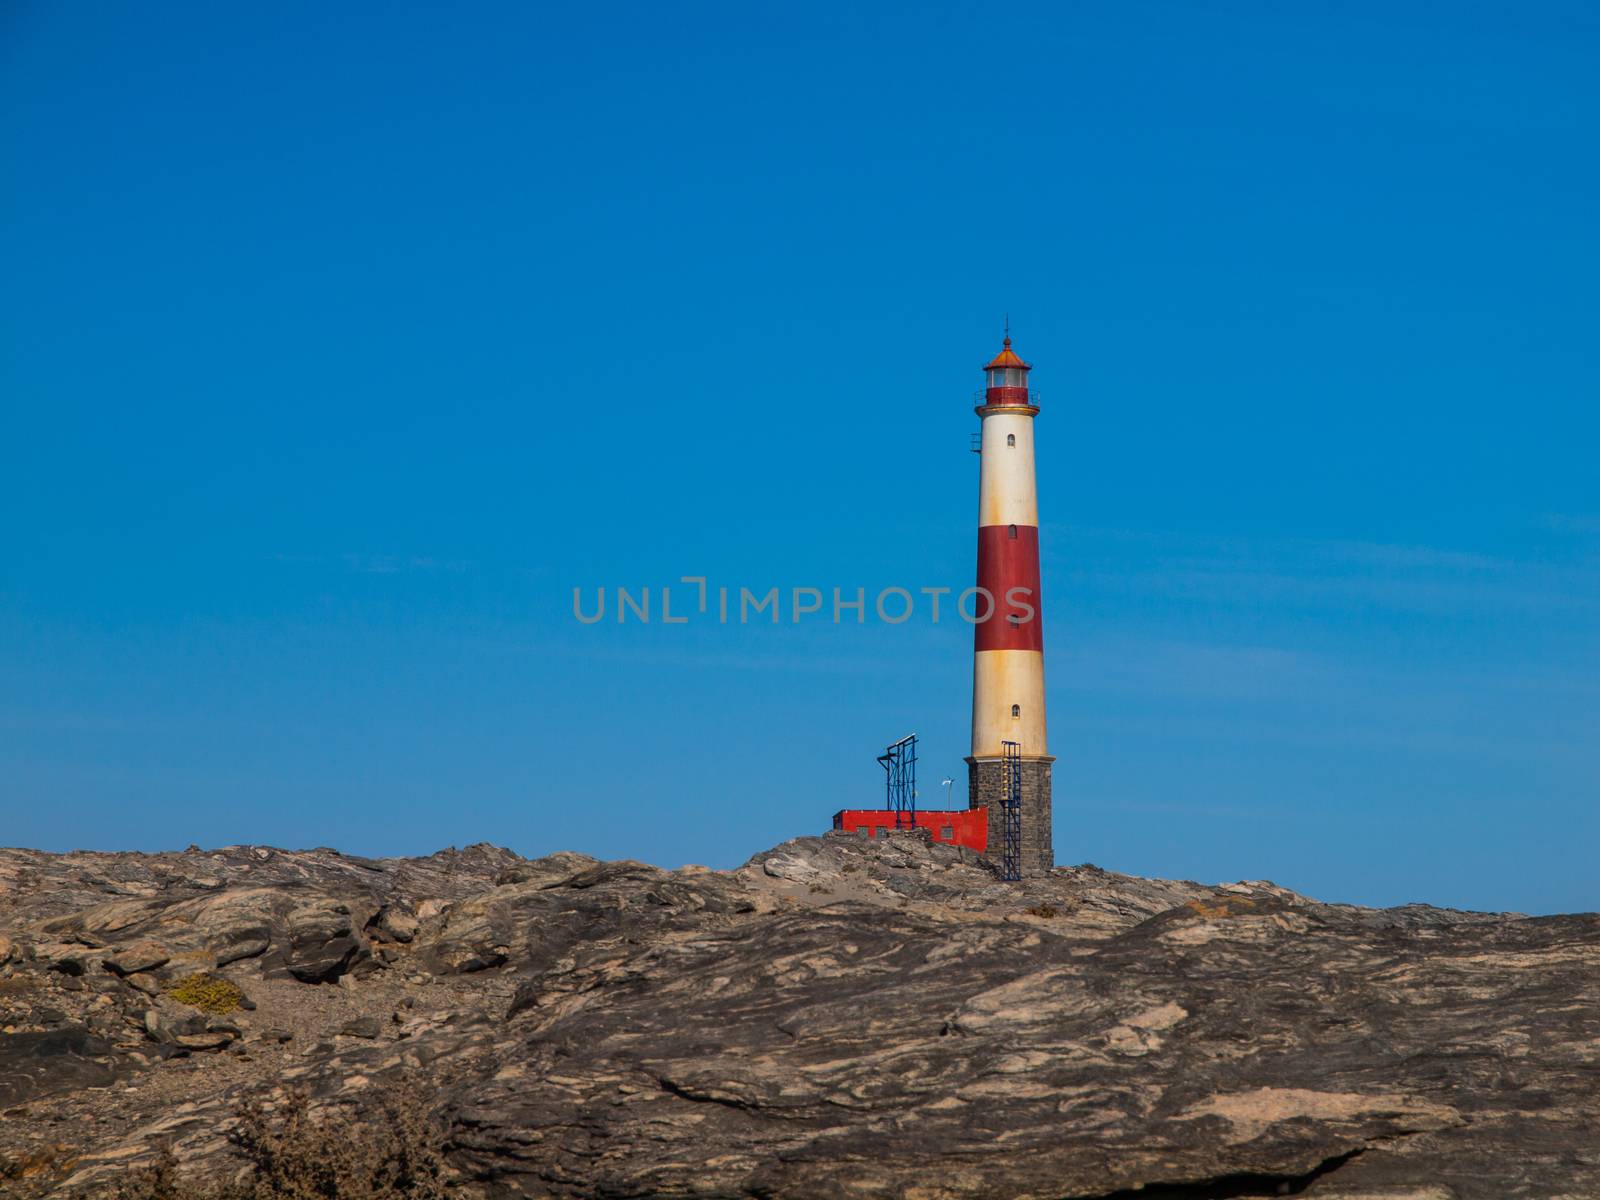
(1011, 814)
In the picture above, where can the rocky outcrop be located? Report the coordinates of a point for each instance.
(835, 1018)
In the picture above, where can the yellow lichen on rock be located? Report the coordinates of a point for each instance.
(207, 992)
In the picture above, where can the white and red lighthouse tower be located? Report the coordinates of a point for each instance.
(1008, 653)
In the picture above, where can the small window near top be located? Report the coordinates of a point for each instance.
(1011, 439)
(1012, 532)
(1016, 710)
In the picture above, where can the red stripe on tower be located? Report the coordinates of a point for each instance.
(1008, 569)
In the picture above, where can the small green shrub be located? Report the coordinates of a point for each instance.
(205, 992)
(161, 1181)
(390, 1148)
(1042, 910)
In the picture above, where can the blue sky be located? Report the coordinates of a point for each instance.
(341, 343)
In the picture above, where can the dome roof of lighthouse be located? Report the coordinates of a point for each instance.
(1007, 358)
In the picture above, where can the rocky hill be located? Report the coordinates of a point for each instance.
(834, 1019)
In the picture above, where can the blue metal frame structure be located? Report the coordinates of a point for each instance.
(899, 764)
(1011, 814)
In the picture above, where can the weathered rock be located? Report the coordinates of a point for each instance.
(140, 957)
(324, 962)
(395, 924)
(242, 948)
(361, 1027)
(36, 1064)
(321, 943)
(167, 1023)
(66, 959)
(834, 1019)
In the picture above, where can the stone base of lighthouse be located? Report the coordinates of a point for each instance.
(986, 788)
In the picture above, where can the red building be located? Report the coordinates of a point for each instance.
(967, 827)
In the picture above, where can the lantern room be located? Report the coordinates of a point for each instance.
(1006, 379)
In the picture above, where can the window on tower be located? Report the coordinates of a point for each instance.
(1011, 532)
(1011, 439)
(1016, 710)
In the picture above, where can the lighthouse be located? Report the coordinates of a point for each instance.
(1008, 772)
